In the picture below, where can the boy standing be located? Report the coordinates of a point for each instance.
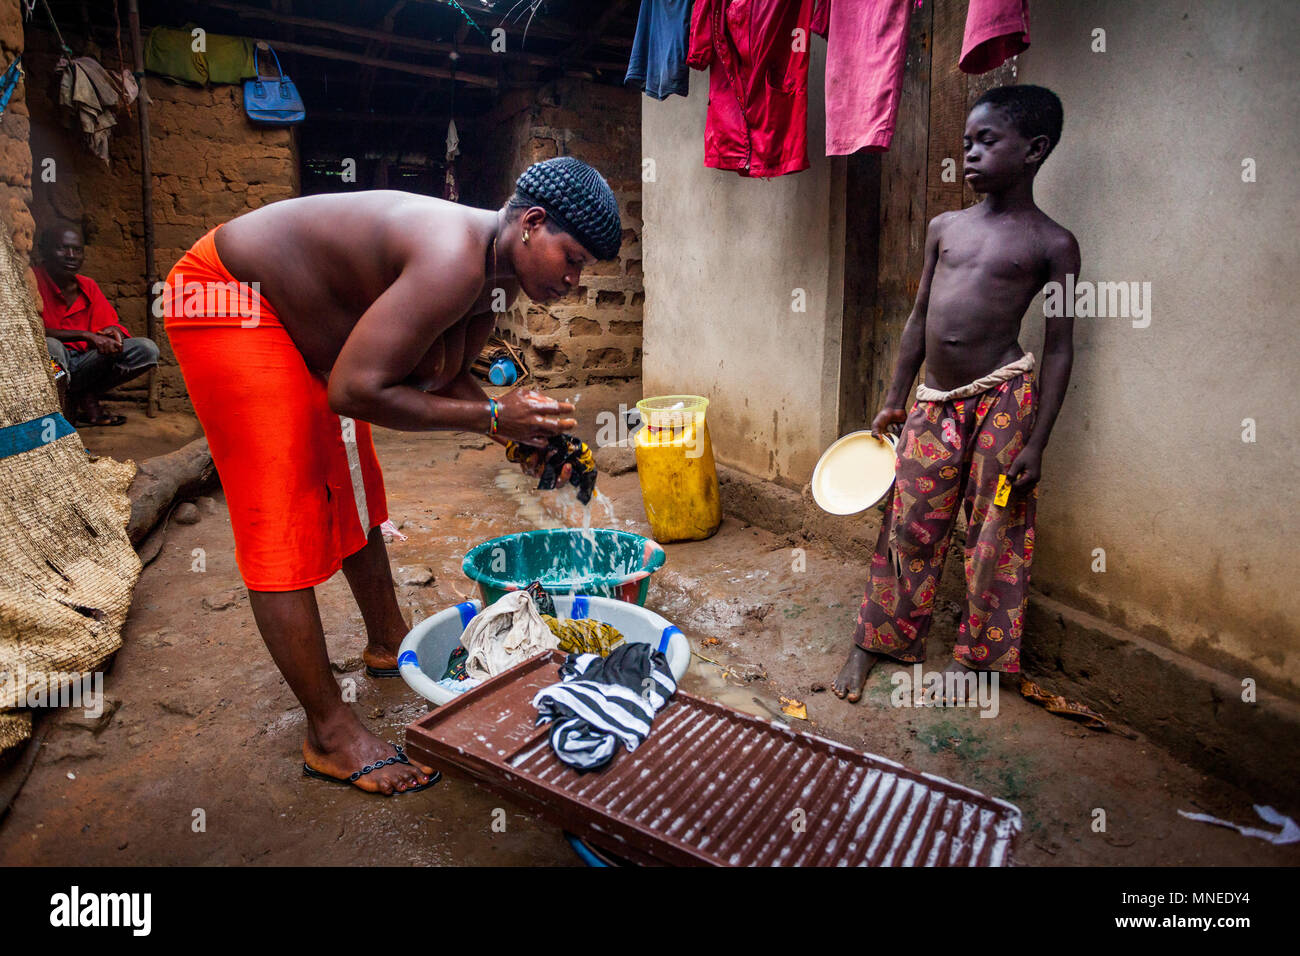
(978, 421)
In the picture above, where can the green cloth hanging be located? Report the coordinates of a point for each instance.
(225, 59)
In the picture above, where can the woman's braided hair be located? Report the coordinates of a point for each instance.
(577, 199)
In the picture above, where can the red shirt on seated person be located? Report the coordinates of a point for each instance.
(89, 309)
(77, 316)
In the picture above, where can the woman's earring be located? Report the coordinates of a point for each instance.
(525, 235)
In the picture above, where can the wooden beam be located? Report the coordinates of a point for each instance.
(543, 28)
(378, 48)
(947, 111)
(146, 198)
(407, 42)
(339, 116)
(435, 72)
(862, 312)
(592, 36)
(901, 250)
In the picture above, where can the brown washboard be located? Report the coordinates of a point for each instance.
(714, 787)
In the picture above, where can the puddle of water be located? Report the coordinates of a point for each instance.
(705, 680)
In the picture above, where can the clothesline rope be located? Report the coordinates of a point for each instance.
(54, 23)
(468, 17)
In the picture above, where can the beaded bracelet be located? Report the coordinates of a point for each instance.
(495, 408)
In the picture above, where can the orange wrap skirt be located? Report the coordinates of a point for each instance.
(303, 484)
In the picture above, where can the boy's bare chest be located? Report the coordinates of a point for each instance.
(1005, 254)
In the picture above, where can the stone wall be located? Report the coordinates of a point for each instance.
(593, 335)
(15, 155)
(209, 165)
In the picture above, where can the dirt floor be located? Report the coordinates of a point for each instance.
(198, 761)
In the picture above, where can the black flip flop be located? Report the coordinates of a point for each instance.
(400, 757)
(110, 421)
(383, 671)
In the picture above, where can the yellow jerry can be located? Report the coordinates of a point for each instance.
(674, 460)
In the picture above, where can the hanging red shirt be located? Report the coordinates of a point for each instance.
(756, 52)
(92, 312)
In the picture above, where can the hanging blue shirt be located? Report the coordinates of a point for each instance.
(658, 63)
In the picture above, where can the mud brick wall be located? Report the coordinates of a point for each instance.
(15, 127)
(593, 335)
(209, 165)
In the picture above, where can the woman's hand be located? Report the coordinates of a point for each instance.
(535, 461)
(531, 418)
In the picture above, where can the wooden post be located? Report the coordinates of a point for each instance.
(146, 200)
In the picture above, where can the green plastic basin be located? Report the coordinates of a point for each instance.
(600, 562)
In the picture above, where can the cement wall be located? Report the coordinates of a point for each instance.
(210, 164)
(724, 257)
(1147, 462)
(594, 334)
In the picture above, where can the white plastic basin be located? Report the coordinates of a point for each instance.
(422, 658)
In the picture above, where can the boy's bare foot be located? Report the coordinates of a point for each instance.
(849, 681)
(955, 666)
(342, 750)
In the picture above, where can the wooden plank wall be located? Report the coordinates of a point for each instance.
(903, 177)
(893, 196)
(862, 308)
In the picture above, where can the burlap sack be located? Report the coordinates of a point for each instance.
(67, 569)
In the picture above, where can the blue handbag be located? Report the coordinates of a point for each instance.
(272, 100)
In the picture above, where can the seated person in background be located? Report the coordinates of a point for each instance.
(83, 331)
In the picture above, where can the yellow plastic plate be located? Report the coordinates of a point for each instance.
(854, 473)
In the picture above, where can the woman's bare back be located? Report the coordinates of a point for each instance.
(322, 261)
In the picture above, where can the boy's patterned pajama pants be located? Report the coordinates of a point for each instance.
(949, 454)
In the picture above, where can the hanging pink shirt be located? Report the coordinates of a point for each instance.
(996, 30)
(866, 50)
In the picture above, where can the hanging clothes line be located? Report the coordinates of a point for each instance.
(469, 18)
(57, 32)
(756, 123)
